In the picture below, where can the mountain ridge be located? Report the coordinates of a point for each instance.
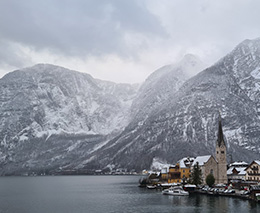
(188, 120)
(44, 102)
(65, 120)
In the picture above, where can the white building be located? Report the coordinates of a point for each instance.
(237, 171)
(253, 171)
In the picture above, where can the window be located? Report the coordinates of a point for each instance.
(183, 170)
(222, 152)
(211, 171)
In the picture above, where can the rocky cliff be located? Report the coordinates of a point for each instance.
(185, 123)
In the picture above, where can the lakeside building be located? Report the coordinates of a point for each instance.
(237, 171)
(253, 171)
(178, 173)
(208, 165)
(185, 167)
(174, 175)
(221, 156)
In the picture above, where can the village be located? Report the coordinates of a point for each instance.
(214, 176)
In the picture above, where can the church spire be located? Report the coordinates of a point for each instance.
(221, 155)
(220, 139)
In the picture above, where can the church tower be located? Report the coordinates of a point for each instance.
(221, 155)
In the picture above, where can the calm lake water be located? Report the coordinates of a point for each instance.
(104, 194)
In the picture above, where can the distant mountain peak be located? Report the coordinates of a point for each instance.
(248, 46)
(190, 58)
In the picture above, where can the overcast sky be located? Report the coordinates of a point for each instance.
(121, 40)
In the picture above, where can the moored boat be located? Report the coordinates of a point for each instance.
(176, 191)
(151, 186)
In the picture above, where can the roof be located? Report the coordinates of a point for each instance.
(255, 161)
(239, 163)
(186, 162)
(240, 170)
(220, 139)
(201, 160)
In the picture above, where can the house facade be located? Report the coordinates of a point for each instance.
(185, 167)
(178, 173)
(253, 171)
(174, 175)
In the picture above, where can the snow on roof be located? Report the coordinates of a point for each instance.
(240, 170)
(182, 164)
(164, 170)
(185, 162)
(257, 161)
(239, 163)
(201, 160)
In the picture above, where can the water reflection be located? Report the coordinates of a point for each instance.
(110, 194)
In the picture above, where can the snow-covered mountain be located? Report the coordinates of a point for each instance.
(46, 101)
(185, 123)
(165, 81)
(55, 119)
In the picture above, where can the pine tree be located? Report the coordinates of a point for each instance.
(210, 180)
(196, 175)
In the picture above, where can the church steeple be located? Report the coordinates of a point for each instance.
(220, 140)
(221, 154)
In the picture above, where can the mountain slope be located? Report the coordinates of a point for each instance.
(185, 123)
(47, 101)
(162, 83)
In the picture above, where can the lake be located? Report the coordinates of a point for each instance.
(110, 194)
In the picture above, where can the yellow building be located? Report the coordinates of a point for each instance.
(185, 167)
(174, 175)
(164, 174)
(185, 173)
(179, 172)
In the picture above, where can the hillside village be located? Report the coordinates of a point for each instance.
(236, 173)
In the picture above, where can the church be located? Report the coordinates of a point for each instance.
(218, 165)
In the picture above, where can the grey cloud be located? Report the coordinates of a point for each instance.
(10, 54)
(98, 31)
(76, 28)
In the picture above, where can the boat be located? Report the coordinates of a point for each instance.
(176, 191)
(189, 188)
(167, 185)
(151, 186)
